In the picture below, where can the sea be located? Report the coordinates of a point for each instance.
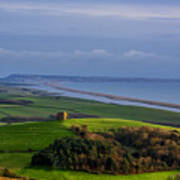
(162, 91)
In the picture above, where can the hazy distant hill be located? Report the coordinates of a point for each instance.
(24, 78)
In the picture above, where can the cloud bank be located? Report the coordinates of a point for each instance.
(90, 37)
(14, 54)
(139, 54)
(78, 54)
(124, 11)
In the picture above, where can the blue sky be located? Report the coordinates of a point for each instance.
(121, 38)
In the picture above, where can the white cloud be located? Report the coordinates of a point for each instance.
(98, 10)
(80, 55)
(101, 52)
(87, 19)
(129, 12)
(56, 54)
(94, 52)
(25, 53)
(139, 54)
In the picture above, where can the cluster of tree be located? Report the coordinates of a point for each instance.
(123, 151)
(150, 149)
(77, 154)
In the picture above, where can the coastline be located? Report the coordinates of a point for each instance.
(115, 97)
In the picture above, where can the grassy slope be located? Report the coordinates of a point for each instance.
(39, 135)
(69, 175)
(21, 162)
(30, 135)
(103, 124)
(44, 106)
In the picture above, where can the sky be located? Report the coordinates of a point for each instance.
(119, 38)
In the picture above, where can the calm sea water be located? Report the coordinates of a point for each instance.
(157, 91)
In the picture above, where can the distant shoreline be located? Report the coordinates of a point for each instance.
(116, 97)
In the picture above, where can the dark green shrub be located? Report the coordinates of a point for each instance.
(126, 150)
(76, 154)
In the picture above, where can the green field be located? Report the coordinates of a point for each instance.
(38, 135)
(43, 106)
(69, 175)
(19, 162)
(19, 137)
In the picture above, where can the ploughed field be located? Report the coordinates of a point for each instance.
(19, 141)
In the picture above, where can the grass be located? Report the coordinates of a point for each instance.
(15, 160)
(42, 174)
(44, 106)
(19, 163)
(35, 136)
(103, 124)
(38, 135)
